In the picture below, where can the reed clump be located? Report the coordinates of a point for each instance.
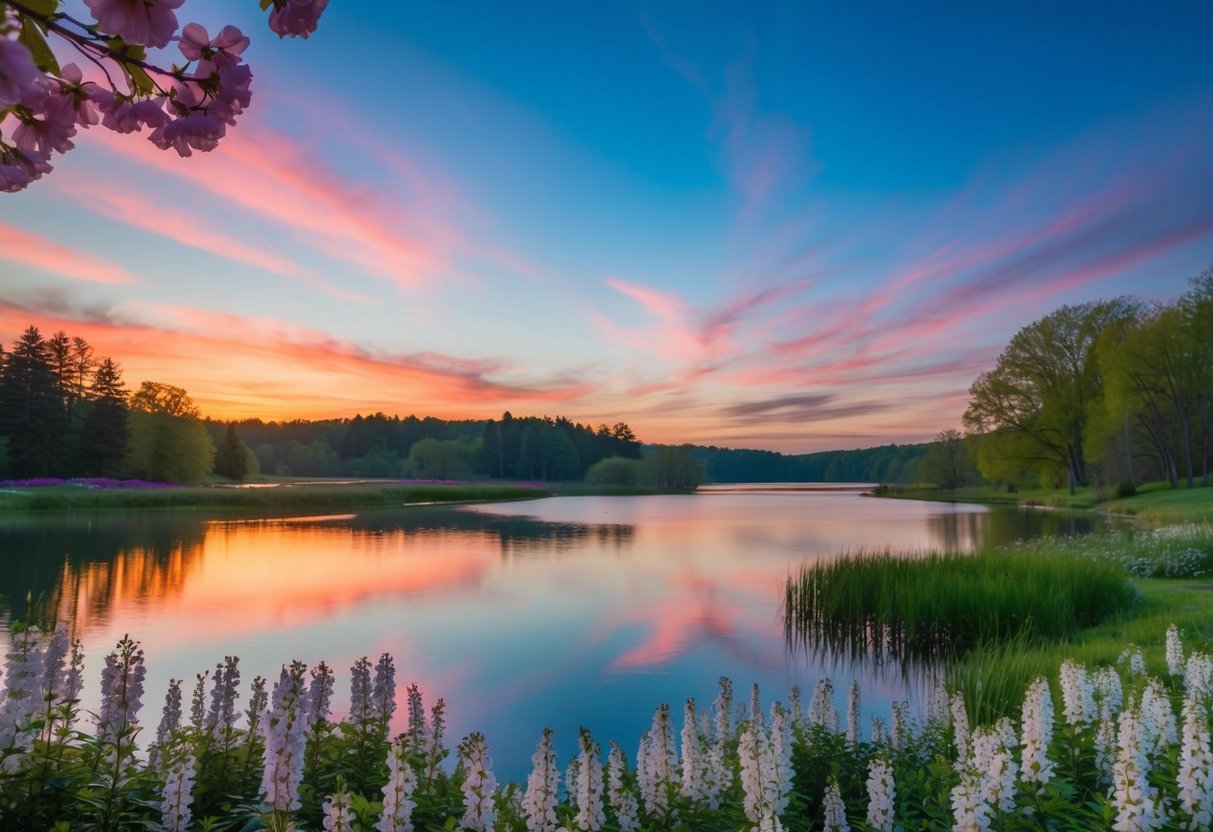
(940, 605)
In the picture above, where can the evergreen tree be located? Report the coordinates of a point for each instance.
(31, 407)
(231, 460)
(107, 432)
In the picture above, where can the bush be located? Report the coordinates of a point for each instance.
(616, 470)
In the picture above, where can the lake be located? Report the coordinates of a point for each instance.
(554, 613)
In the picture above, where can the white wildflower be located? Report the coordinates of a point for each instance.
(542, 787)
(175, 808)
(655, 764)
(22, 677)
(694, 780)
(939, 707)
(437, 730)
(994, 761)
(1133, 659)
(834, 810)
(1077, 694)
(821, 706)
(418, 731)
(960, 730)
(1158, 724)
(285, 740)
(360, 693)
(781, 756)
(1108, 691)
(622, 801)
(319, 700)
(795, 707)
(882, 794)
(1198, 675)
(121, 698)
(755, 704)
(398, 793)
(383, 690)
(338, 812)
(900, 728)
(1037, 733)
(198, 703)
(969, 812)
(1174, 652)
(1133, 795)
(478, 786)
(724, 706)
(1195, 777)
(170, 721)
(221, 718)
(588, 786)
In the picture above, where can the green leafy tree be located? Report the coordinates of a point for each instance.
(1036, 401)
(947, 462)
(107, 431)
(675, 468)
(617, 470)
(169, 442)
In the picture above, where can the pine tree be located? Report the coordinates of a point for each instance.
(107, 432)
(31, 407)
(231, 460)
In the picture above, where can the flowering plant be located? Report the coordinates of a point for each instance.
(184, 106)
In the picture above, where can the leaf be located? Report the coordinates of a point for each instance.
(31, 37)
(265, 4)
(253, 825)
(43, 7)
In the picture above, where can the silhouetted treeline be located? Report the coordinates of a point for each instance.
(516, 448)
(886, 463)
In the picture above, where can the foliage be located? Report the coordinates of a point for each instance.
(884, 464)
(1035, 402)
(617, 470)
(943, 604)
(169, 443)
(232, 459)
(186, 105)
(674, 468)
(57, 771)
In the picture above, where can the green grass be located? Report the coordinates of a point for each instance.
(995, 676)
(1154, 503)
(943, 604)
(296, 496)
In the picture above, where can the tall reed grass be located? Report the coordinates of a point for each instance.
(937, 605)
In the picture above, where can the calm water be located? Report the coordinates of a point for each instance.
(557, 612)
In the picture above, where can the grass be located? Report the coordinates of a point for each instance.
(941, 605)
(993, 677)
(1154, 503)
(295, 496)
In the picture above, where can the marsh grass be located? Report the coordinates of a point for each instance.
(907, 606)
(301, 496)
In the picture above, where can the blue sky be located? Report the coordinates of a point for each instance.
(795, 226)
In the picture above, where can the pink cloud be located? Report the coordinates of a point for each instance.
(30, 249)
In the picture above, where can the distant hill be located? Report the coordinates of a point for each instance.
(886, 463)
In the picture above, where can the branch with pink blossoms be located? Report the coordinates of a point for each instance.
(185, 106)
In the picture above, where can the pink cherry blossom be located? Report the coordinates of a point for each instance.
(48, 127)
(72, 81)
(124, 116)
(291, 18)
(150, 22)
(17, 73)
(233, 94)
(197, 129)
(223, 51)
(18, 169)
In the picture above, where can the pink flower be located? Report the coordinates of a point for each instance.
(132, 116)
(18, 169)
(296, 17)
(82, 94)
(223, 51)
(50, 126)
(197, 129)
(150, 22)
(233, 94)
(18, 75)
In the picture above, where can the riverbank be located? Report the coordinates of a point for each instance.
(1155, 503)
(294, 494)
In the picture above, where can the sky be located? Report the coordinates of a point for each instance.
(794, 226)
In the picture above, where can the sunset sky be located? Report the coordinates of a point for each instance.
(796, 226)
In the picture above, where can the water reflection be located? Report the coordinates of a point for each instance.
(968, 531)
(551, 613)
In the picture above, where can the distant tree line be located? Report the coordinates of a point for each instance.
(883, 464)
(1111, 393)
(64, 412)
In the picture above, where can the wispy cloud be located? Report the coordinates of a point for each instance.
(29, 249)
